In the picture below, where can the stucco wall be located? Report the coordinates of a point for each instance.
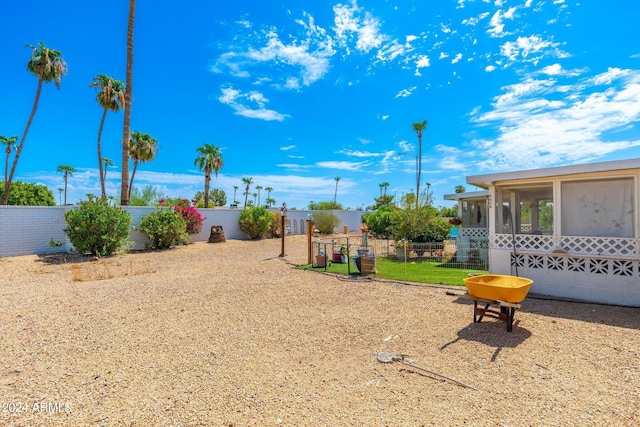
(26, 230)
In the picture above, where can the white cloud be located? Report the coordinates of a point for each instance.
(405, 92)
(457, 58)
(347, 166)
(410, 38)
(249, 104)
(358, 153)
(348, 24)
(530, 49)
(489, 68)
(542, 123)
(443, 55)
(288, 147)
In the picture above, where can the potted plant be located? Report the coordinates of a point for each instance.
(455, 221)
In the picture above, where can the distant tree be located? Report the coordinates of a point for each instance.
(110, 97)
(107, 162)
(125, 188)
(255, 196)
(235, 190)
(259, 187)
(68, 171)
(460, 189)
(217, 197)
(324, 206)
(142, 148)
(448, 212)
(269, 190)
(27, 194)
(383, 200)
(48, 66)
(270, 201)
(209, 159)
(10, 144)
(247, 182)
(148, 196)
(419, 127)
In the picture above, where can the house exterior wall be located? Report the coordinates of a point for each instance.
(590, 268)
(27, 230)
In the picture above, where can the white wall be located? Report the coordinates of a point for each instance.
(26, 230)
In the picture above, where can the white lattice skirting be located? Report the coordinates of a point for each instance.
(602, 247)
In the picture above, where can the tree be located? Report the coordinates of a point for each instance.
(142, 148)
(235, 189)
(270, 201)
(10, 143)
(48, 66)
(254, 195)
(385, 185)
(110, 96)
(248, 182)
(269, 190)
(27, 194)
(335, 195)
(148, 196)
(419, 127)
(107, 162)
(217, 197)
(125, 190)
(259, 187)
(209, 159)
(68, 171)
(460, 189)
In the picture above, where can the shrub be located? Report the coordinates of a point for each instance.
(97, 227)
(324, 206)
(165, 228)
(255, 221)
(275, 225)
(380, 222)
(189, 213)
(421, 224)
(326, 222)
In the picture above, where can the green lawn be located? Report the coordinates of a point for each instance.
(421, 271)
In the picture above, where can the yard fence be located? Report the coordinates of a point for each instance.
(28, 230)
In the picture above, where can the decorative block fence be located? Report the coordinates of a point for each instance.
(27, 230)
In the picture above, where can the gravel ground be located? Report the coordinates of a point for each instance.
(231, 334)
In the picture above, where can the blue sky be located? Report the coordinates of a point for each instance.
(297, 93)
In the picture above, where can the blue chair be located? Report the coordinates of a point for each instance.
(453, 233)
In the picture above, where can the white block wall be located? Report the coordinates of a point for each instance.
(27, 230)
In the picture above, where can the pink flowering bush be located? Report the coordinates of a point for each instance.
(187, 211)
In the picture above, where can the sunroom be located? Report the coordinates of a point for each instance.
(572, 229)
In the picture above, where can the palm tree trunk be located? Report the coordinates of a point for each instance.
(6, 163)
(65, 187)
(7, 182)
(125, 189)
(335, 195)
(133, 174)
(207, 183)
(419, 168)
(246, 196)
(102, 175)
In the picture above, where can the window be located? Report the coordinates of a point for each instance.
(603, 208)
(526, 209)
(474, 213)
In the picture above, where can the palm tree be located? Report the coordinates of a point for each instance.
(460, 189)
(125, 189)
(60, 190)
(209, 159)
(142, 148)
(110, 97)
(419, 127)
(259, 187)
(270, 202)
(11, 145)
(335, 195)
(248, 182)
(107, 162)
(48, 66)
(385, 185)
(269, 190)
(254, 195)
(235, 189)
(68, 171)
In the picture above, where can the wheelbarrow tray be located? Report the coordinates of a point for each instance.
(498, 287)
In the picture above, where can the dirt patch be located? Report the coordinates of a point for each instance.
(231, 334)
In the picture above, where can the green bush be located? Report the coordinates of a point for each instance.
(380, 222)
(255, 221)
(276, 222)
(165, 228)
(326, 222)
(419, 224)
(97, 227)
